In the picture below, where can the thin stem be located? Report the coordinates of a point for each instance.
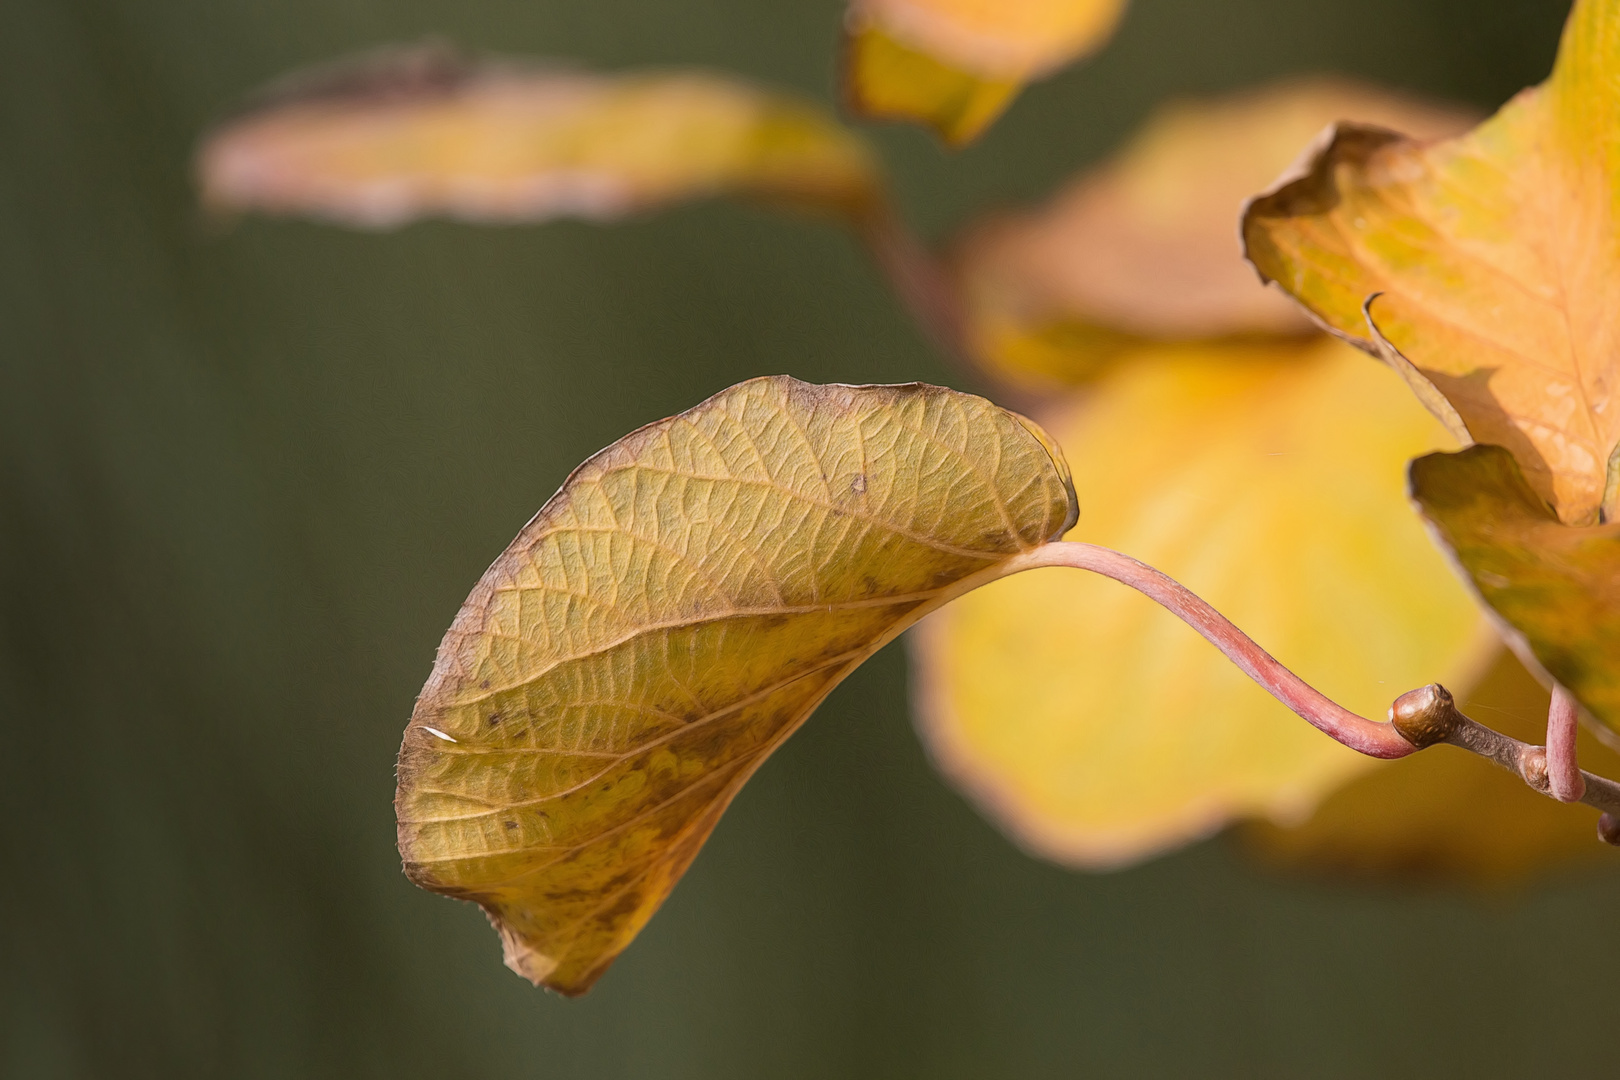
(1563, 773)
(1428, 715)
(924, 287)
(1418, 719)
(1370, 737)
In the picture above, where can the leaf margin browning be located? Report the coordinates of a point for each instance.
(1494, 248)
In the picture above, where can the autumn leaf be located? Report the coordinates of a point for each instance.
(1143, 248)
(1445, 816)
(889, 81)
(1557, 585)
(418, 132)
(955, 65)
(1093, 727)
(1497, 254)
(672, 615)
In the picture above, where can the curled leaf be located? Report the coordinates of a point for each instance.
(412, 133)
(1498, 254)
(1556, 585)
(672, 615)
(1144, 247)
(1446, 816)
(1093, 726)
(955, 65)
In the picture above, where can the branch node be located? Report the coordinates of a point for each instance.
(1426, 716)
(1609, 829)
(1533, 767)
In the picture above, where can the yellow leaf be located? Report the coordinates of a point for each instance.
(888, 81)
(956, 64)
(1449, 816)
(672, 615)
(415, 133)
(1097, 729)
(1498, 254)
(1144, 247)
(1558, 585)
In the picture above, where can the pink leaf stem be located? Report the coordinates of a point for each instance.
(1371, 737)
(1563, 773)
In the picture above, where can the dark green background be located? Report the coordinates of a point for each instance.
(246, 477)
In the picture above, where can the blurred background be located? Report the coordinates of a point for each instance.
(247, 475)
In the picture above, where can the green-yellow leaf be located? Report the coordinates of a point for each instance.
(1096, 728)
(672, 615)
(1557, 585)
(1143, 248)
(416, 133)
(955, 65)
(1497, 254)
(1448, 816)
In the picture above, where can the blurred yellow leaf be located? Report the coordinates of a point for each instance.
(1498, 254)
(888, 81)
(672, 615)
(1558, 585)
(1145, 247)
(1097, 729)
(956, 64)
(1449, 816)
(419, 132)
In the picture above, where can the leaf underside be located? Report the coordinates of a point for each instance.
(1556, 585)
(673, 614)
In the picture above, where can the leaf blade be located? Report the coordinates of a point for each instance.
(690, 595)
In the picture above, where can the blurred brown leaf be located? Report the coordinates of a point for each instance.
(1146, 246)
(411, 133)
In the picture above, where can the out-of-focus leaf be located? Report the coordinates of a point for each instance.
(416, 133)
(890, 81)
(672, 615)
(1557, 585)
(1446, 815)
(1096, 728)
(955, 65)
(1144, 247)
(1498, 254)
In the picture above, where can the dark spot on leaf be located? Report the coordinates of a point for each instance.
(857, 484)
(494, 719)
(511, 824)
